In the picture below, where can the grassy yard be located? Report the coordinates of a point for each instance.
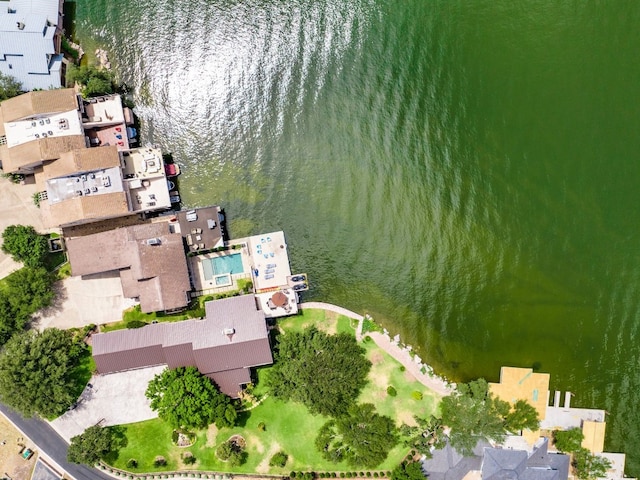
(288, 426)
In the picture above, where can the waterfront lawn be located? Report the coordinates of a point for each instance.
(325, 321)
(287, 426)
(387, 371)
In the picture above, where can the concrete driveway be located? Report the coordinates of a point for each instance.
(84, 300)
(16, 208)
(113, 399)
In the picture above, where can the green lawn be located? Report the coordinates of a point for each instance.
(288, 426)
(82, 373)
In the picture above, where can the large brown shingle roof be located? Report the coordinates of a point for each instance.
(39, 102)
(77, 209)
(82, 160)
(36, 151)
(157, 274)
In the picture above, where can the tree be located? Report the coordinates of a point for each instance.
(232, 452)
(91, 446)
(361, 437)
(408, 471)
(473, 413)
(324, 372)
(425, 435)
(27, 290)
(522, 416)
(568, 441)
(279, 459)
(25, 245)
(185, 398)
(36, 372)
(9, 87)
(588, 466)
(95, 81)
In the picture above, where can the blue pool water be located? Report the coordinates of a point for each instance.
(231, 264)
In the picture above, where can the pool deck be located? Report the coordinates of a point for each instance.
(202, 286)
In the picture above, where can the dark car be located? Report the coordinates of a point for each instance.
(298, 278)
(300, 286)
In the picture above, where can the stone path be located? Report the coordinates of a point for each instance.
(403, 355)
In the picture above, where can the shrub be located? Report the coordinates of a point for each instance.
(132, 463)
(375, 474)
(292, 475)
(416, 395)
(188, 458)
(136, 323)
(341, 474)
(368, 474)
(279, 459)
(262, 427)
(391, 391)
(402, 368)
(159, 461)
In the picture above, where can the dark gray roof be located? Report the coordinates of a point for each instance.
(505, 464)
(497, 463)
(232, 338)
(449, 464)
(502, 464)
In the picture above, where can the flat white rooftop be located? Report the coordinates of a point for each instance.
(145, 177)
(565, 418)
(44, 126)
(86, 184)
(269, 261)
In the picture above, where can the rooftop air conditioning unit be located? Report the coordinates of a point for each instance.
(229, 331)
(154, 241)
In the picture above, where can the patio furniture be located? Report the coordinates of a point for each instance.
(201, 246)
(189, 240)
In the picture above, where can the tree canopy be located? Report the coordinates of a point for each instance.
(91, 446)
(24, 245)
(9, 87)
(36, 372)
(361, 437)
(473, 413)
(95, 81)
(425, 434)
(324, 372)
(183, 397)
(408, 471)
(588, 466)
(568, 441)
(522, 416)
(27, 291)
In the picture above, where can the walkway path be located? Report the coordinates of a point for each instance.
(402, 355)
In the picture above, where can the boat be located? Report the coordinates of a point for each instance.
(171, 169)
(174, 197)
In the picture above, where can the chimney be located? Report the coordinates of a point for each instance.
(20, 25)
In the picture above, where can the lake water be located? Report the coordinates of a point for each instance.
(466, 172)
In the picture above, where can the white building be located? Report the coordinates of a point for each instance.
(30, 38)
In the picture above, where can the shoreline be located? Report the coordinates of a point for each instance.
(422, 372)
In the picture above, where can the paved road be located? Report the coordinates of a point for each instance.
(48, 441)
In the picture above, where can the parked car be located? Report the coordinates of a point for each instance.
(300, 286)
(298, 278)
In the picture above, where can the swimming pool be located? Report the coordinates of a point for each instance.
(227, 264)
